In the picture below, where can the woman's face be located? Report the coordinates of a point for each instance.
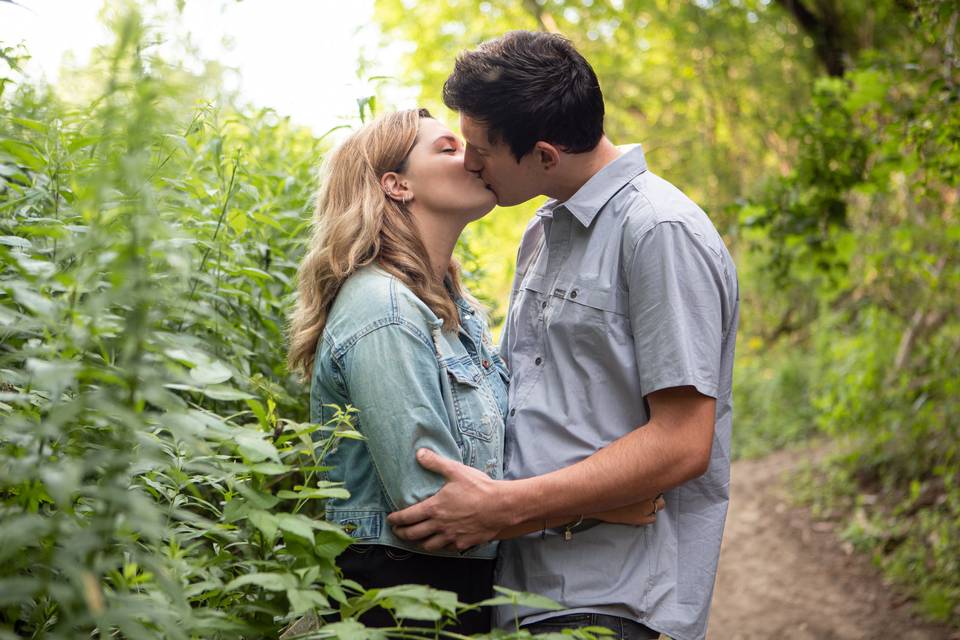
(436, 177)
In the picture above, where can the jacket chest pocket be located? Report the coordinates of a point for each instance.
(476, 414)
(470, 402)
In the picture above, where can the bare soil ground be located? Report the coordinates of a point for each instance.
(787, 577)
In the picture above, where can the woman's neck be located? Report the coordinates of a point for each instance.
(439, 238)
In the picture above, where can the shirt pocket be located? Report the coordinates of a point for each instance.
(593, 320)
(529, 299)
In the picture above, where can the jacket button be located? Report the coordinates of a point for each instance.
(573, 294)
(486, 364)
(350, 527)
(513, 412)
(538, 361)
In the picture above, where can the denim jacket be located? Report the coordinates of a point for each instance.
(415, 385)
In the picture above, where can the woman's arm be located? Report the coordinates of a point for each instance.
(392, 377)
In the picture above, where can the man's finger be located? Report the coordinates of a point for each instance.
(416, 532)
(436, 543)
(433, 461)
(411, 515)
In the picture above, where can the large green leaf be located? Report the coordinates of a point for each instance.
(255, 447)
(267, 580)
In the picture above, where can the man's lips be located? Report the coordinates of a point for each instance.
(486, 185)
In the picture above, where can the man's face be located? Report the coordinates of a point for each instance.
(510, 181)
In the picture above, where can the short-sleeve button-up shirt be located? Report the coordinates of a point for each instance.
(624, 289)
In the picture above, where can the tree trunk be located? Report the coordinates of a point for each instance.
(824, 29)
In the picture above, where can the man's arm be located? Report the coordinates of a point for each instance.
(637, 514)
(672, 448)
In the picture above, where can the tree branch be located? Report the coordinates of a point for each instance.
(546, 21)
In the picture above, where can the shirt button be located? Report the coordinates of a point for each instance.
(513, 412)
(543, 305)
(538, 361)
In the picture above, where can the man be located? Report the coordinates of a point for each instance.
(620, 338)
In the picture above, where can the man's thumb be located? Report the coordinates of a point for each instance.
(429, 459)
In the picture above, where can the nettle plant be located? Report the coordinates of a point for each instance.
(158, 476)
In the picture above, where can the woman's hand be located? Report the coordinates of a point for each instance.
(641, 513)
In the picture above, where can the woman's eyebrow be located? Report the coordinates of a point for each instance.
(447, 136)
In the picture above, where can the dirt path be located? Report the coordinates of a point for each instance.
(785, 577)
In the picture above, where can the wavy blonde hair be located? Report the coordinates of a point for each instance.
(356, 224)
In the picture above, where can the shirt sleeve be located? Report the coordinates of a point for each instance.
(675, 281)
(393, 379)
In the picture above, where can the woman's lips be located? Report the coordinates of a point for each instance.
(487, 185)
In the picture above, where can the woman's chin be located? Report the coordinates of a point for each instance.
(482, 209)
(485, 210)
(487, 202)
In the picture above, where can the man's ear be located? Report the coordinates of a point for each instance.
(395, 187)
(546, 155)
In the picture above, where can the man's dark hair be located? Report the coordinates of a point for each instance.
(527, 86)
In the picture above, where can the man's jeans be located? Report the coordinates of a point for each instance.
(623, 629)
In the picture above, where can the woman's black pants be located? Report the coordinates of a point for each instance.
(377, 566)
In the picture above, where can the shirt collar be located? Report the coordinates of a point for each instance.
(603, 185)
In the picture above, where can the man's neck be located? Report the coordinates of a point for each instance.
(580, 167)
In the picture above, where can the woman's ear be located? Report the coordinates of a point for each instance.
(395, 187)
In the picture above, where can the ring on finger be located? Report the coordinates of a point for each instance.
(656, 504)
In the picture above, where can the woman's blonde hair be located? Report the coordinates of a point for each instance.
(356, 224)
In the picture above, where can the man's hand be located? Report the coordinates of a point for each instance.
(467, 511)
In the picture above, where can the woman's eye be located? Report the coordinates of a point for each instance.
(449, 150)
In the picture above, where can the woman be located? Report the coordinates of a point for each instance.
(384, 324)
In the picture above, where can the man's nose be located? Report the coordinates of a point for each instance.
(471, 163)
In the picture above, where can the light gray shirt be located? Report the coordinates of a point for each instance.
(624, 289)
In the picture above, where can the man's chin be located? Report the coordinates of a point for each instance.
(510, 202)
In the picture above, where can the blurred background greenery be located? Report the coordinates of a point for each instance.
(154, 449)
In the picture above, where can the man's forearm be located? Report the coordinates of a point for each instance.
(651, 459)
(532, 526)
(636, 514)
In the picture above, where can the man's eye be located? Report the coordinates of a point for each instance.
(449, 149)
